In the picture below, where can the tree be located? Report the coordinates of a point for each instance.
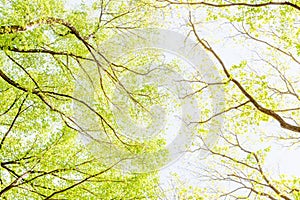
(262, 90)
(43, 45)
(46, 47)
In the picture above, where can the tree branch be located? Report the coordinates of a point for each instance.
(262, 109)
(271, 3)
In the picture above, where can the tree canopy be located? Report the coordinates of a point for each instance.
(87, 109)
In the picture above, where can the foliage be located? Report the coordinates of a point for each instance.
(46, 45)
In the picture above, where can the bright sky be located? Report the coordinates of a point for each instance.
(280, 159)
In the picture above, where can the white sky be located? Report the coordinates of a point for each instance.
(280, 160)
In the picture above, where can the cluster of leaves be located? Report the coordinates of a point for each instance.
(43, 46)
